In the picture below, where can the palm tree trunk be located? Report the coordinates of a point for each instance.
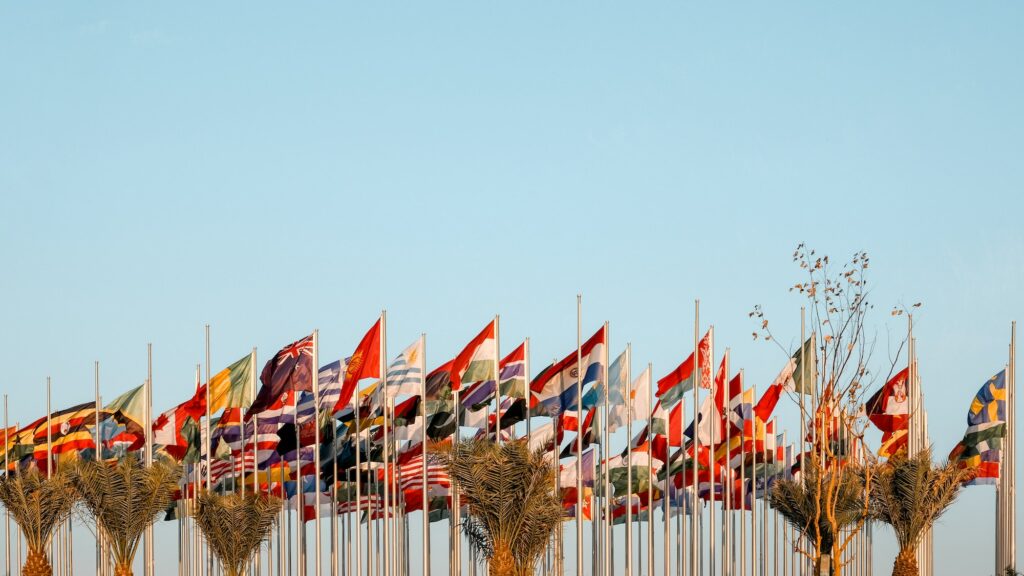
(502, 563)
(906, 563)
(824, 566)
(37, 564)
(123, 570)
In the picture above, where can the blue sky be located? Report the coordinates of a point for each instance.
(269, 170)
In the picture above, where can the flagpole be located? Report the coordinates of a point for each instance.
(628, 398)
(579, 437)
(497, 379)
(423, 454)
(387, 485)
(315, 377)
(1010, 494)
(650, 474)
(606, 438)
(727, 482)
(98, 455)
(7, 512)
(359, 489)
(711, 461)
(694, 556)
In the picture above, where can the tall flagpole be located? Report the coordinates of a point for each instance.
(423, 454)
(606, 521)
(579, 437)
(694, 555)
(386, 564)
(98, 455)
(7, 513)
(650, 474)
(359, 485)
(315, 377)
(627, 396)
(497, 379)
(727, 479)
(148, 538)
(1010, 487)
(712, 426)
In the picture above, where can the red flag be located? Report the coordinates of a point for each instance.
(766, 405)
(468, 355)
(684, 372)
(364, 363)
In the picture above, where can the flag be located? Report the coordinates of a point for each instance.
(555, 387)
(618, 380)
(805, 368)
(364, 363)
(290, 369)
(167, 428)
(673, 385)
(232, 386)
(439, 380)
(640, 396)
(513, 377)
(69, 431)
(586, 464)
(129, 411)
(981, 446)
(889, 410)
(405, 375)
(476, 361)
(989, 405)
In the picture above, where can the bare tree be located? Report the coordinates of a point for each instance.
(838, 468)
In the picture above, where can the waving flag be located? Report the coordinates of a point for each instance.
(673, 385)
(364, 363)
(128, 411)
(981, 445)
(476, 361)
(232, 386)
(616, 388)
(69, 431)
(555, 387)
(889, 410)
(405, 376)
(513, 374)
(168, 427)
(291, 369)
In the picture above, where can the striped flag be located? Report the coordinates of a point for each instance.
(405, 375)
(513, 373)
(410, 475)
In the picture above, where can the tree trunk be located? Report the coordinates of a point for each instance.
(823, 566)
(123, 570)
(37, 564)
(906, 563)
(502, 563)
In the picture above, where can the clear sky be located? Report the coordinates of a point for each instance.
(271, 169)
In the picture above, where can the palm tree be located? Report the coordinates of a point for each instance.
(513, 510)
(124, 499)
(38, 504)
(235, 526)
(821, 503)
(910, 493)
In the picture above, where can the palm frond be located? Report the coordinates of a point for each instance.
(909, 493)
(510, 494)
(236, 525)
(124, 498)
(38, 504)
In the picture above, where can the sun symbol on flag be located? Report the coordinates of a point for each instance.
(574, 372)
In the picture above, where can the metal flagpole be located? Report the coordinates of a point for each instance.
(712, 426)
(315, 377)
(423, 454)
(579, 437)
(650, 474)
(1011, 452)
(627, 395)
(606, 438)
(666, 549)
(147, 541)
(359, 484)
(7, 470)
(497, 379)
(694, 556)
(727, 486)
(49, 436)
(754, 564)
(98, 455)
(387, 484)
(743, 492)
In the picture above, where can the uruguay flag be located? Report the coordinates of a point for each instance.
(555, 390)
